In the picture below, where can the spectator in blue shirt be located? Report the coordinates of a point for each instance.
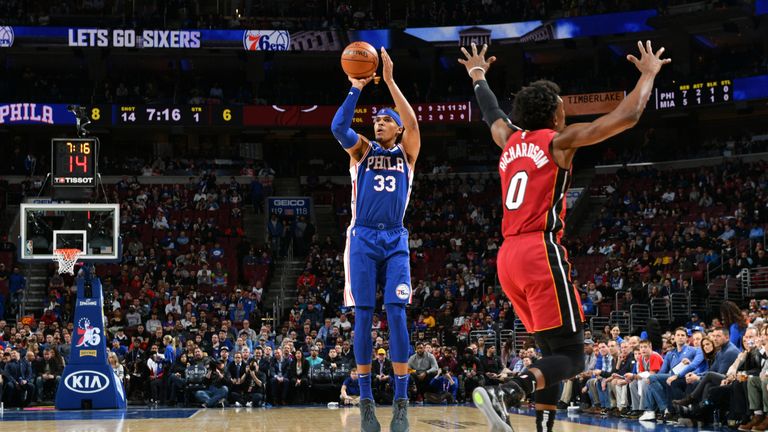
(677, 363)
(16, 285)
(442, 388)
(350, 389)
(734, 321)
(694, 322)
(724, 358)
(586, 304)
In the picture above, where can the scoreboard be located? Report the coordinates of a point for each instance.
(73, 162)
(166, 115)
(260, 115)
(692, 95)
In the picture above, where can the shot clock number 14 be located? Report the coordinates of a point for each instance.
(74, 161)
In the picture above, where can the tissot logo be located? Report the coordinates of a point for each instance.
(87, 381)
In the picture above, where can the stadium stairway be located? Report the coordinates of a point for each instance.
(282, 286)
(255, 225)
(37, 278)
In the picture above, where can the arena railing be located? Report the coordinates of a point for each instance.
(754, 281)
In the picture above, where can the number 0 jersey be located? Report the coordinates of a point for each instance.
(533, 187)
(381, 187)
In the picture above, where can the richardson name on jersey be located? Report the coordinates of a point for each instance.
(386, 163)
(531, 151)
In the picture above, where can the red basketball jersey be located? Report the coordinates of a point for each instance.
(533, 187)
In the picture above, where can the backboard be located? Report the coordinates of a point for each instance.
(92, 228)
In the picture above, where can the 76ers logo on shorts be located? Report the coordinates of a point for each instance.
(89, 335)
(403, 292)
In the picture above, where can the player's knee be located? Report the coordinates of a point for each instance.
(395, 314)
(575, 355)
(398, 334)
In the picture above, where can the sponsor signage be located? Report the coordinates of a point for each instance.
(86, 382)
(591, 103)
(290, 206)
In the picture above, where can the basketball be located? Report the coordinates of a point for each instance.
(359, 60)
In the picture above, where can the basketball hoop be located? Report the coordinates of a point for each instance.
(67, 259)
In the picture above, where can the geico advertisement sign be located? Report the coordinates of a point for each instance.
(289, 203)
(87, 382)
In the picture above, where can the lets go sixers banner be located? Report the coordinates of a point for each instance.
(88, 380)
(249, 40)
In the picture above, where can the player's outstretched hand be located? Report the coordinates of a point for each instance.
(649, 62)
(387, 66)
(476, 63)
(359, 83)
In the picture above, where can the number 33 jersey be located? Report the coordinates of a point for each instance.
(381, 187)
(533, 186)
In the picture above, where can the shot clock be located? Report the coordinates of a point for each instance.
(74, 162)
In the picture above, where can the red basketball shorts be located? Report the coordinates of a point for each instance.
(535, 274)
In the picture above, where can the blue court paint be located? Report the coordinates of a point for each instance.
(129, 414)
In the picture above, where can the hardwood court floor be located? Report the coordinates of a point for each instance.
(302, 419)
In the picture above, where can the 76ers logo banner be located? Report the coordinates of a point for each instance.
(88, 334)
(260, 40)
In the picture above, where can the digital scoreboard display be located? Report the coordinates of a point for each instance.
(693, 95)
(74, 162)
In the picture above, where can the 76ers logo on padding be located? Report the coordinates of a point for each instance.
(89, 335)
(403, 292)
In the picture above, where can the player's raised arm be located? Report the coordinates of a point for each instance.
(477, 65)
(627, 114)
(342, 121)
(411, 136)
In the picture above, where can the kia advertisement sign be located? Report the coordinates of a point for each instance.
(86, 382)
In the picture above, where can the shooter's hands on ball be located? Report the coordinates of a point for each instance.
(649, 62)
(387, 66)
(359, 83)
(476, 63)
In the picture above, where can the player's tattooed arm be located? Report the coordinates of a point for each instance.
(477, 65)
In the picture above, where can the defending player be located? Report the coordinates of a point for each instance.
(377, 243)
(533, 267)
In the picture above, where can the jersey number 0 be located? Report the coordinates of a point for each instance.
(516, 191)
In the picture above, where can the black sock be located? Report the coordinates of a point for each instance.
(526, 381)
(545, 420)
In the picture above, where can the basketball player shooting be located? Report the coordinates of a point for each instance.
(535, 169)
(377, 243)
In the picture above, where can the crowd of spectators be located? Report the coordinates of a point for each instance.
(312, 14)
(696, 374)
(186, 323)
(667, 232)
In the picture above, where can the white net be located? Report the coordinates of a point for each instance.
(67, 259)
